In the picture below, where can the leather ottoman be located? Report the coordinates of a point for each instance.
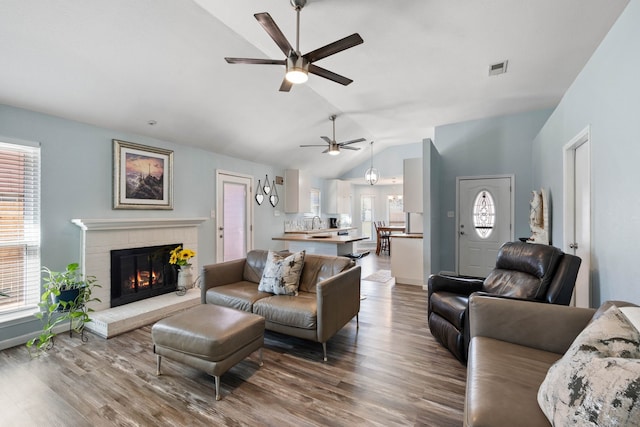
(208, 337)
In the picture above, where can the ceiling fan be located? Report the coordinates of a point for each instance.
(299, 66)
(334, 147)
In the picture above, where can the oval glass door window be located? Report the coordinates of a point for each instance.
(484, 214)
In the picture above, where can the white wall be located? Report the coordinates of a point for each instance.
(606, 96)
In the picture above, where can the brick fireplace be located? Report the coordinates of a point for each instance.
(101, 236)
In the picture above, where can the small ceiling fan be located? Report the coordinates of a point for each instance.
(299, 66)
(334, 147)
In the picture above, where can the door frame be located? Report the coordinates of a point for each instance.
(512, 201)
(568, 183)
(219, 213)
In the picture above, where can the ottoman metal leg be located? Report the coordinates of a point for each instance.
(158, 359)
(260, 357)
(217, 378)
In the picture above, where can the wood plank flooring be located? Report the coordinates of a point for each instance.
(389, 372)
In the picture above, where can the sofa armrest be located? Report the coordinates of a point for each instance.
(338, 302)
(220, 274)
(548, 327)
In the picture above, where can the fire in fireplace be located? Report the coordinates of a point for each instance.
(140, 273)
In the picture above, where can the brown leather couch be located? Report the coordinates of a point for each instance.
(523, 270)
(328, 297)
(513, 345)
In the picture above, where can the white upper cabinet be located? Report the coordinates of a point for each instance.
(297, 190)
(338, 197)
(412, 185)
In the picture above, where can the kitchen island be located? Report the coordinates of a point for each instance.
(320, 243)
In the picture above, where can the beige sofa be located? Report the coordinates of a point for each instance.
(513, 345)
(328, 297)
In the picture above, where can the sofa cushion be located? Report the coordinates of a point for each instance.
(254, 265)
(523, 270)
(281, 274)
(240, 295)
(321, 267)
(502, 382)
(298, 311)
(597, 381)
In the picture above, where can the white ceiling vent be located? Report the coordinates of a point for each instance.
(499, 68)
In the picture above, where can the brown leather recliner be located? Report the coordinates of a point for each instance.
(523, 271)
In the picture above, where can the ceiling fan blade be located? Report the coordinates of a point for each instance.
(325, 151)
(330, 75)
(335, 47)
(273, 30)
(353, 141)
(350, 148)
(326, 139)
(286, 85)
(313, 145)
(255, 61)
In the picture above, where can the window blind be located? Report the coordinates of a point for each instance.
(19, 226)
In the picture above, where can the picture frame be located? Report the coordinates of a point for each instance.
(142, 176)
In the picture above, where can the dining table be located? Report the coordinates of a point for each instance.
(387, 229)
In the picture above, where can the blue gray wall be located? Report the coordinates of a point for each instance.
(77, 183)
(606, 96)
(494, 146)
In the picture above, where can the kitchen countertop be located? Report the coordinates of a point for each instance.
(332, 238)
(320, 230)
(408, 235)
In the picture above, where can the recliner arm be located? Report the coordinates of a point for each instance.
(458, 285)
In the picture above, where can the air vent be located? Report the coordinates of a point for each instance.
(499, 68)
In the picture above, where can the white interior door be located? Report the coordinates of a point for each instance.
(234, 216)
(578, 213)
(485, 218)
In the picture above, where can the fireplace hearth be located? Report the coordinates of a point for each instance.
(140, 273)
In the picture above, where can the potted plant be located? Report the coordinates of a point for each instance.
(65, 297)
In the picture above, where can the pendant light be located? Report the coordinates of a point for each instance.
(274, 198)
(371, 175)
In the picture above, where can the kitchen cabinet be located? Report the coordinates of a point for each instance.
(407, 265)
(412, 185)
(338, 197)
(297, 192)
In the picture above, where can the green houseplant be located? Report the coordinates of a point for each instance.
(65, 297)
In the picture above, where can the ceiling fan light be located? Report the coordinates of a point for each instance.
(334, 150)
(297, 70)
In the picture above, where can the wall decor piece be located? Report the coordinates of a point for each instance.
(259, 194)
(142, 176)
(273, 198)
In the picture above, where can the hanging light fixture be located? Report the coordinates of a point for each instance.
(371, 175)
(259, 194)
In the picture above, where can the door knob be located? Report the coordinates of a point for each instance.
(573, 245)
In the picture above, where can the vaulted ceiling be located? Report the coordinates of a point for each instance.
(122, 63)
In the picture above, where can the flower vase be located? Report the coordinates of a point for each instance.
(185, 279)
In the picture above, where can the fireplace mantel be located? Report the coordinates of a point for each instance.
(135, 223)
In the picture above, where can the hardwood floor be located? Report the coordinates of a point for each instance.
(388, 372)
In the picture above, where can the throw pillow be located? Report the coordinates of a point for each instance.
(597, 381)
(281, 275)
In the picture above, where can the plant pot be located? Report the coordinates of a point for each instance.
(68, 296)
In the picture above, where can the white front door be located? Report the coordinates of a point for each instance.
(485, 217)
(234, 216)
(578, 213)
